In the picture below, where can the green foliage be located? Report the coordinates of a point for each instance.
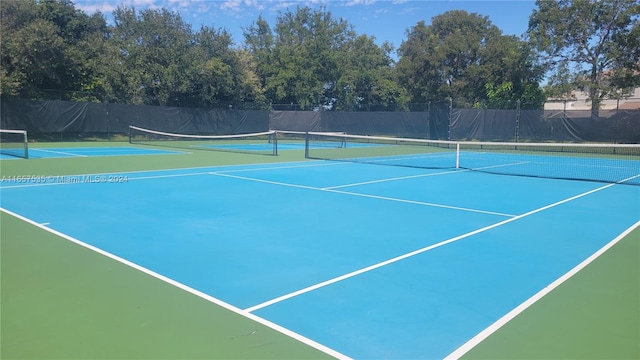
(49, 49)
(151, 48)
(45, 45)
(305, 57)
(317, 61)
(365, 77)
(596, 40)
(465, 57)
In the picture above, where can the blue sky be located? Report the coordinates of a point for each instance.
(387, 20)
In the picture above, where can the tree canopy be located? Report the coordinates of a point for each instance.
(466, 58)
(310, 58)
(589, 45)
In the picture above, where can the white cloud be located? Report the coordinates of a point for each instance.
(142, 3)
(360, 2)
(182, 3)
(233, 5)
(93, 6)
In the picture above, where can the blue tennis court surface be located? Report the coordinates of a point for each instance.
(371, 261)
(45, 153)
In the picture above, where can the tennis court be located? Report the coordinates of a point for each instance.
(46, 153)
(351, 257)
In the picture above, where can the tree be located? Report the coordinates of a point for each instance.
(597, 40)
(512, 75)
(366, 77)
(47, 45)
(319, 62)
(259, 43)
(150, 50)
(223, 76)
(298, 62)
(466, 58)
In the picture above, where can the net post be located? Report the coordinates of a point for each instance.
(130, 134)
(26, 145)
(457, 155)
(306, 145)
(275, 143)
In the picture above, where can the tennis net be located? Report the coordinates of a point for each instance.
(610, 163)
(254, 143)
(14, 143)
(295, 140)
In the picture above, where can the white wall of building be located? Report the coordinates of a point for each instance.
(579, 101)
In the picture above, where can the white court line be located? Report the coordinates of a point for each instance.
(362, 195)
(417, 252)
(466, 347)
(423, 175)
(321, 164)
(393, 179)
(447, 154)
(310, 164)
(186, 288)
(57, 152)
(53, 179)
(421, 203)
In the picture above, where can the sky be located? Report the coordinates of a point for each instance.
(386, 20)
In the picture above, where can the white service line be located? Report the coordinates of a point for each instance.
(417, 252)
(361, 195)
(423, 175)
(393, 179)
(184, 287)
(304, 165)
(57, 152)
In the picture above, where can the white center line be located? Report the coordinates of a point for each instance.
(363, 195)
(417, 252)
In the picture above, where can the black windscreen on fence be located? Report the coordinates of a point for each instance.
(400, 124)
(295, 121)
(81, 117)
(67, 117)
(484, 125)
(611, 126)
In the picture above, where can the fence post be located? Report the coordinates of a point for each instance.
(517, 120)
(429, 120)
(450, 117)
